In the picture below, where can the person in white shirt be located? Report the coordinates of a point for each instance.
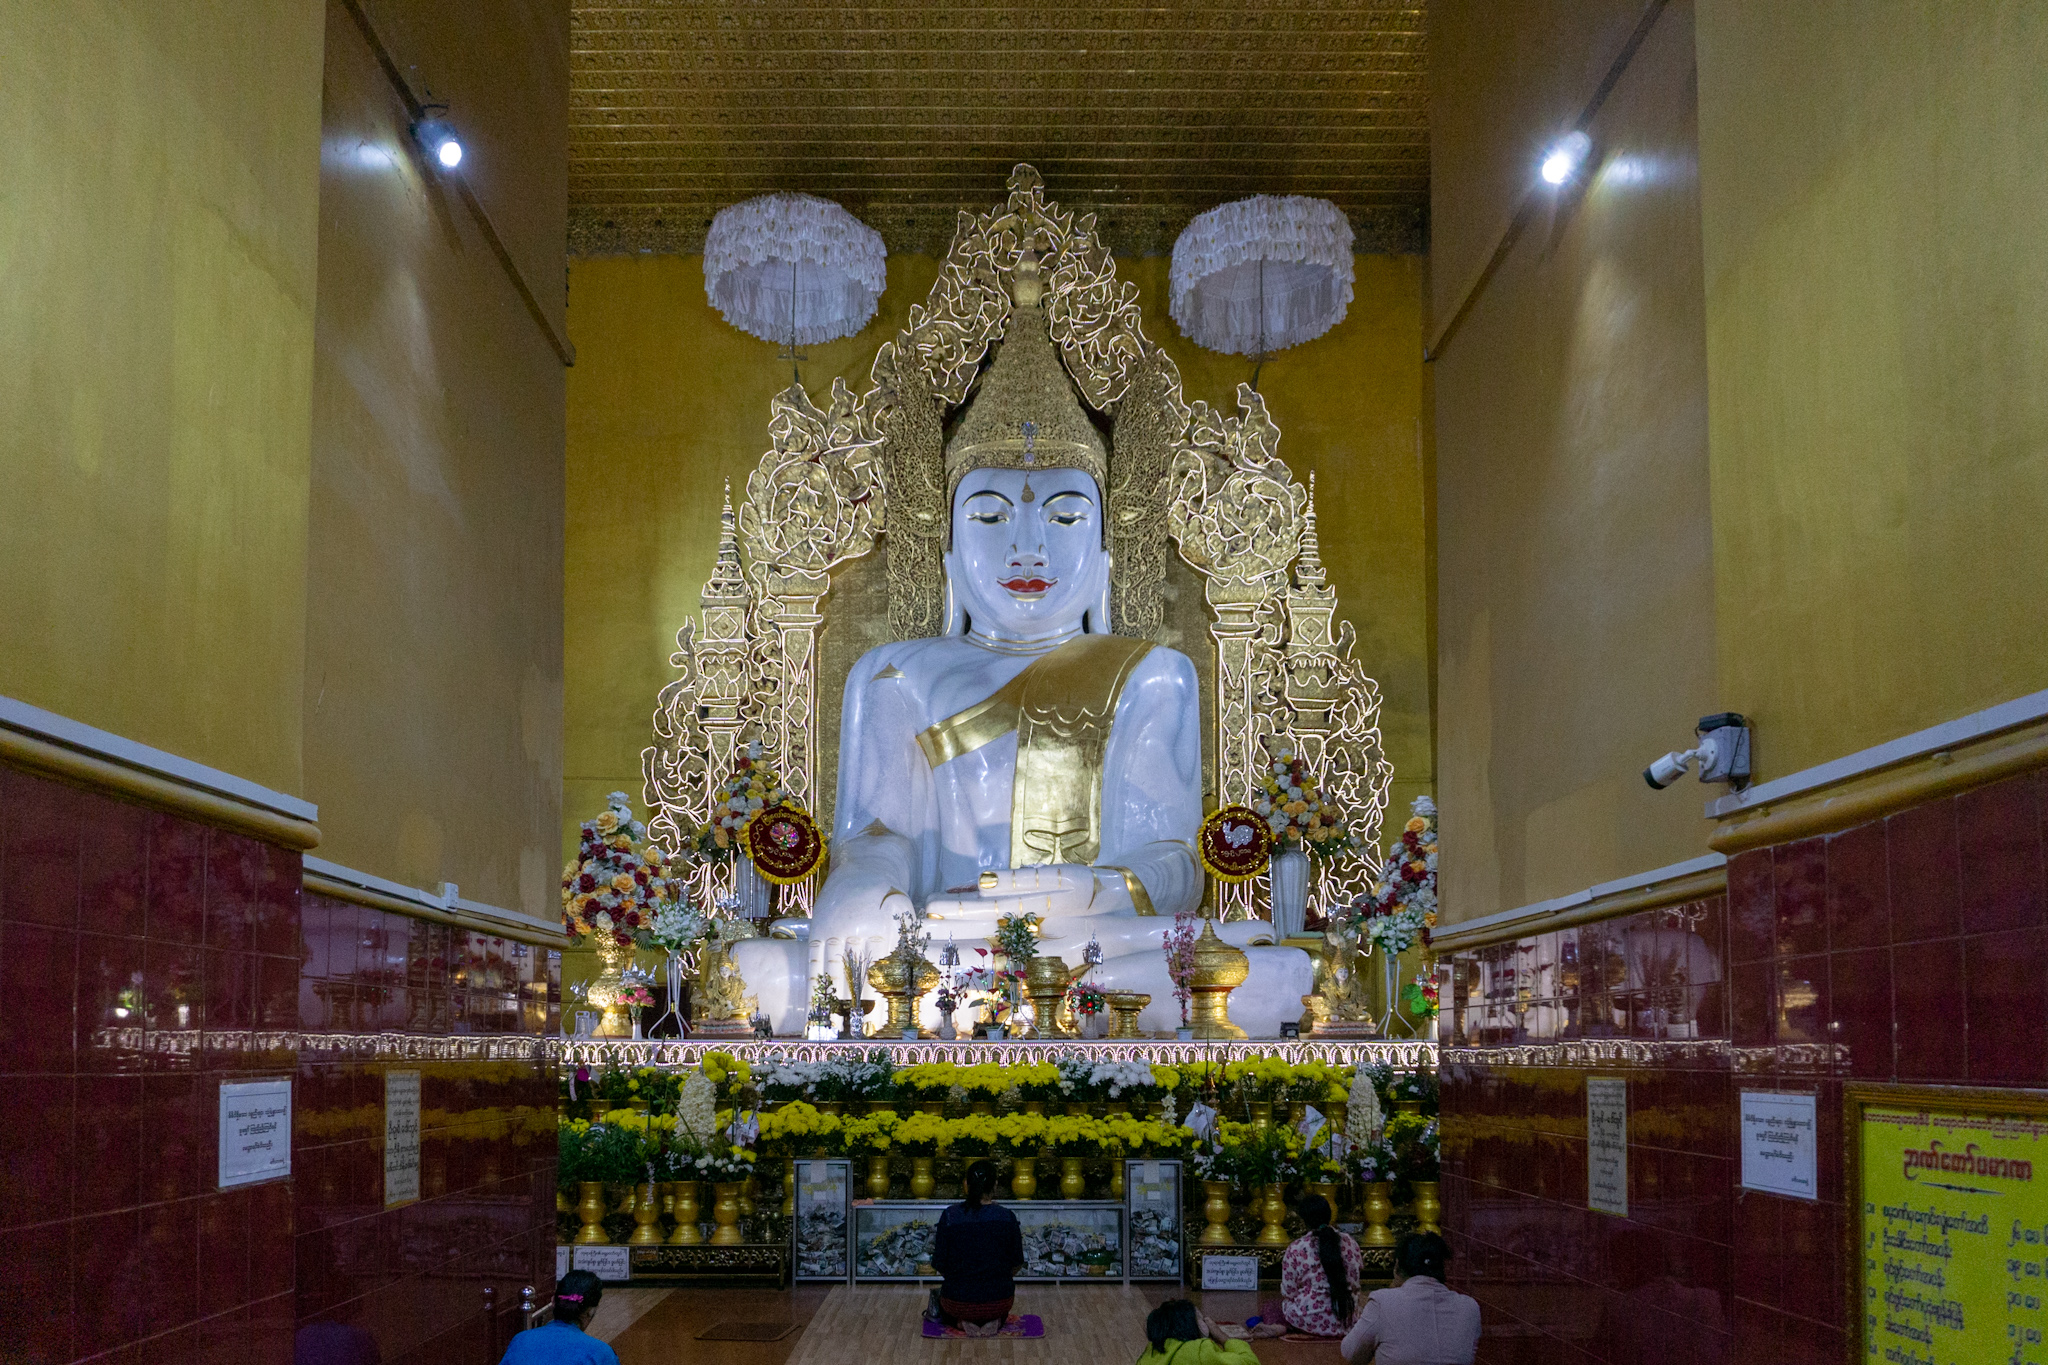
(1420, 1321)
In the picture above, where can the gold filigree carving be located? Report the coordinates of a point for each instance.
(915, 520)
(1149, 427)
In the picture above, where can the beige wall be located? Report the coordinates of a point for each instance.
(158, 214)
(667, 401)
(433, 677)
(1877, 330)
(1576, 589)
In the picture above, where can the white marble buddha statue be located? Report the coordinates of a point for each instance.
(1025, 760)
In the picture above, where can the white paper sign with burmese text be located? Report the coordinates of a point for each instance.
(1230, 1272)
(1607, 1145)
(1778, 1143)
(255, 1131)
(401, 1138)
(611, 1264)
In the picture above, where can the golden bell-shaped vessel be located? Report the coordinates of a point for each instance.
(1045, 981)
(1219, 969)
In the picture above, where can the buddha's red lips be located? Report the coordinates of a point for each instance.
(1027, 584)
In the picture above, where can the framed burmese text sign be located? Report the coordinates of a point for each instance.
(1952, 1223)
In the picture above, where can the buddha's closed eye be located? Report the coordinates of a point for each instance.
(1068, 509)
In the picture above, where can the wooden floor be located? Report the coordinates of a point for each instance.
(842, 1326)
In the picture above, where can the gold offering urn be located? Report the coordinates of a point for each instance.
(1045, 981)
(903, 980)
(1219, 969)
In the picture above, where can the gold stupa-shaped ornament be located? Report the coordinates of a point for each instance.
(1219, 969)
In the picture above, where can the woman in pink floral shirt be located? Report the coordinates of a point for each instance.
(1319, 1275)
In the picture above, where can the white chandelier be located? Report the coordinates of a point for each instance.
(793, 269)
(1261, 274)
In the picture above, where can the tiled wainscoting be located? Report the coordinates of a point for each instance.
(1912, 948)
(144, 959)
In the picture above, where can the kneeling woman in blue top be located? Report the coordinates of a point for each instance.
(979, 1248)
(563, 1341)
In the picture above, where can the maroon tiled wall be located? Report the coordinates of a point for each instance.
(1913, 948)
(145, 958)
(138, 951)
(413, 1277)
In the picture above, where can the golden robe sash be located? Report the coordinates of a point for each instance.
(1062, 707)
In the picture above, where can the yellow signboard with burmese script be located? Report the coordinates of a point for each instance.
(1954, 1235)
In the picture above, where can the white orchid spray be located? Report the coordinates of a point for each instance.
(697, 1106)
(1364, 1119)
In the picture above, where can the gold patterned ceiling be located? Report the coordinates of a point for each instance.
(906, 112)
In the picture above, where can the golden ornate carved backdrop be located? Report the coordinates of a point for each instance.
(862, 474)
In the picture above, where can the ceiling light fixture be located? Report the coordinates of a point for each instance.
(1563, 160)
(437, 137)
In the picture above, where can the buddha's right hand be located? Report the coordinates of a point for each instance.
(1051, 890)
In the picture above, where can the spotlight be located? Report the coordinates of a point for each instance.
(1563, 159)
(437, 137)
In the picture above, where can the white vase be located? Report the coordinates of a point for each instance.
(756, 893)
(1290, 893)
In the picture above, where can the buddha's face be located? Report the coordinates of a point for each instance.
(1027, 557)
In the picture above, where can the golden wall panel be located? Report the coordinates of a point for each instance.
(434, 652)
(1577, 567)
(156, 335)
(1876, 315)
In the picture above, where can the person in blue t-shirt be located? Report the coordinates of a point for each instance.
(563, 1341)
(979, 1248)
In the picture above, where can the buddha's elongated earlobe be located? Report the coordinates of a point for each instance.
(1098, 614)
(953, 617)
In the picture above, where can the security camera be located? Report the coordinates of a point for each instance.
(1722, 754)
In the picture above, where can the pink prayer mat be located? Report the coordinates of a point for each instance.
(1028, 1325)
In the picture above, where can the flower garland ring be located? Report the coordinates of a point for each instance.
(783, 842)
(1235, 843)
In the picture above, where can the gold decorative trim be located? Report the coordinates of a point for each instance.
(1716, 1054)
(354, 1047)
(164, 793)
(1141, 899)
(1691, 886)
(336, 889)
(1873, 796)
(1405, 1055)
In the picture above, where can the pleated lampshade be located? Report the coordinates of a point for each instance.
(1259, 275)
(793, 269)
